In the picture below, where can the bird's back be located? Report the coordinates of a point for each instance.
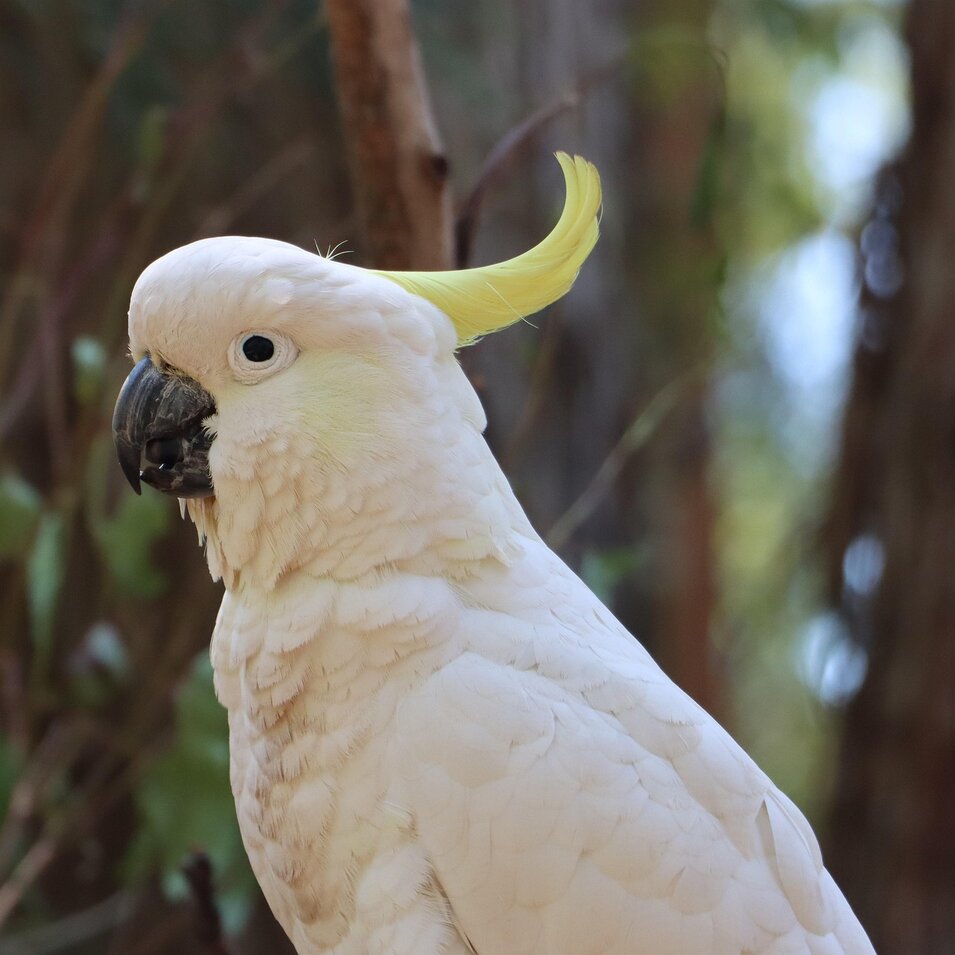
(573, 800)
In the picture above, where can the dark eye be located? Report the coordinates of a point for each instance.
(253, 357)
(258, 348)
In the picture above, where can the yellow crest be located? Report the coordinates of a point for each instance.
(485, 299)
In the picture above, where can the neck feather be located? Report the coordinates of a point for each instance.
(436, 511)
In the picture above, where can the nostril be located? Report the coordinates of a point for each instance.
(164, 451)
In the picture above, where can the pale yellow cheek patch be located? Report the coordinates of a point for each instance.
(345, 408)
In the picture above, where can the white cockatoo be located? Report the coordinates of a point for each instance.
(441, 740)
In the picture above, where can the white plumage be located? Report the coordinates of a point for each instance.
(441, 741)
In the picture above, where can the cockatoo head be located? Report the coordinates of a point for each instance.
(243, 340)
(273, 386)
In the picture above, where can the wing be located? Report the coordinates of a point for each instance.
(573, 801)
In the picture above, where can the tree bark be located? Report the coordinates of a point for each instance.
(398, 168)
(893, 824)
(678, 106)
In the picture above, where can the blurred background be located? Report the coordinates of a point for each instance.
(739, 427)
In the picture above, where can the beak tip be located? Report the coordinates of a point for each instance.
(127, 436)
(131, 472)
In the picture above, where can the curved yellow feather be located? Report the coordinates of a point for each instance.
(482, 300)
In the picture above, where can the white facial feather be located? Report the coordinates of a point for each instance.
(373, 398)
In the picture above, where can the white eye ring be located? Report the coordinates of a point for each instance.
(246, 363)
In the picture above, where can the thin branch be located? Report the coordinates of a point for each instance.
(509, 146)
(45, 231)
(30, 868)
(186, 130)
(198, 872)
(232, 74)
(502, 154)
(72, 930)
(58, 749)
(33, 368)
(222, 216)
(538, 395)
(639, 432)
(88, 805)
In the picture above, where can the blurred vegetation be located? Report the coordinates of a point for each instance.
(131, 128)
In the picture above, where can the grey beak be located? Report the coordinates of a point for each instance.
(158, 432)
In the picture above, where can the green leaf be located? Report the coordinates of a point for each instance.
(45, 570)
(11, 764)
(89, 363)
(185, 802)
(703, 204)
(603, 571)
(152, 136)
(98, 666)
(105, 647)
(125, 538)
(20, 507)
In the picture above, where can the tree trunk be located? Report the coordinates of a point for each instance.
(398, 168)
(893, 824)
(678, 108)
